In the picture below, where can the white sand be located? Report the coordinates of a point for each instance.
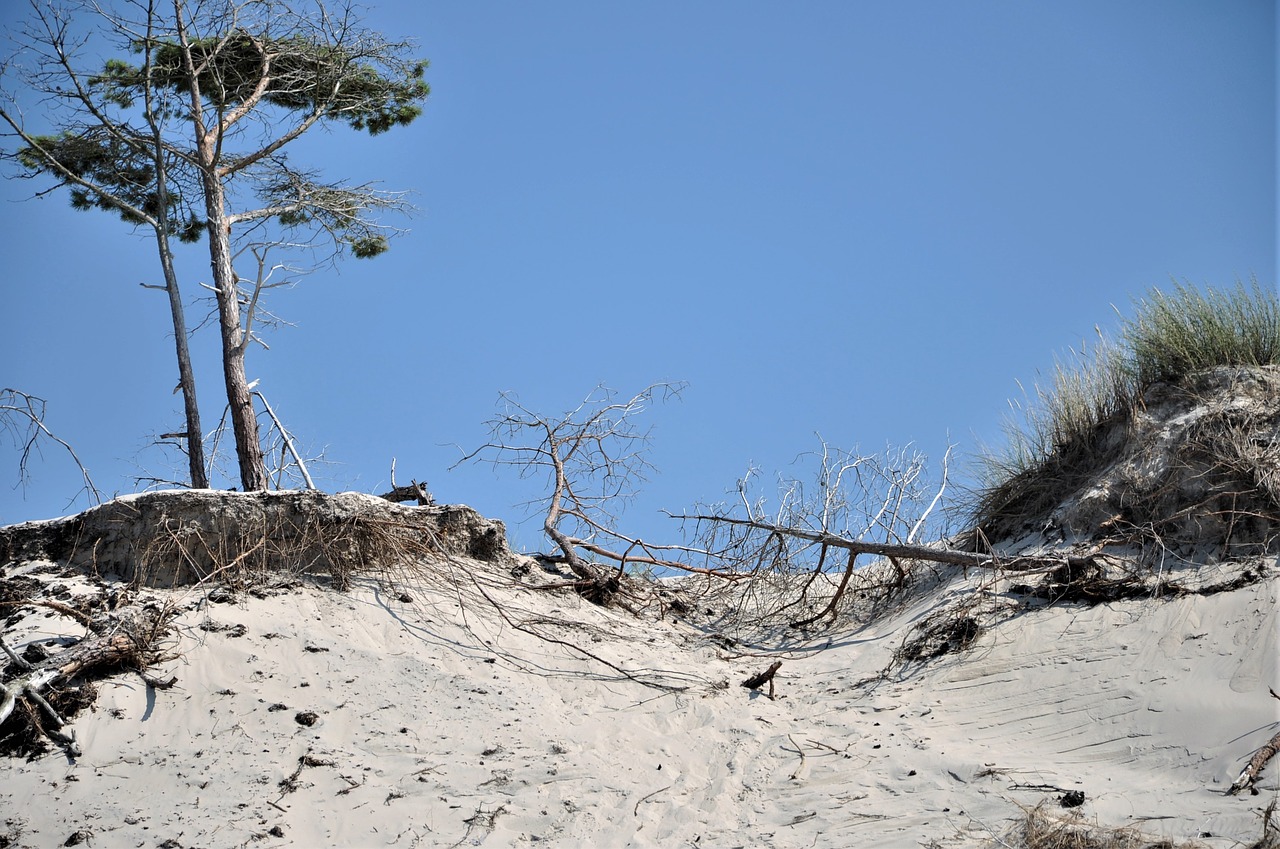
(444, 727)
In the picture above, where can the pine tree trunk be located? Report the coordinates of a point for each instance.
(244, 422)
(186, 376)
(208, 139)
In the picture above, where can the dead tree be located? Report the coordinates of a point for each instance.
(855, 503)
(880, 505)
(592, 457)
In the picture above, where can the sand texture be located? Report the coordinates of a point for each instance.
(450, 705)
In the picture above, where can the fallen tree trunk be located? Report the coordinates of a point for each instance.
(906, 551)
(127, 641)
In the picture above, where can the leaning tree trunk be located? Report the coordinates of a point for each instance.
(186, 376)
(244, 422)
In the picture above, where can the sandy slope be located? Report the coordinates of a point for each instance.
(440, 723)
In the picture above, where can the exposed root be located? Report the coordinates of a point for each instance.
(37, 700)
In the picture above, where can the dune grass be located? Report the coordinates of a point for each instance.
(1055, 440)
(1187, 330)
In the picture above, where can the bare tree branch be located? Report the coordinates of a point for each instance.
(593, 456)
(22, 417)
(932, 554)
(876, 504)
(287, 438)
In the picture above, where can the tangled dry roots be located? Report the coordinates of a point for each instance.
(1041, 829)
(165, 539)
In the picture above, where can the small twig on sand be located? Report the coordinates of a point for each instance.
(800, 751)
(649, 796)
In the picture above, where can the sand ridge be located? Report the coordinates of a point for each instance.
(411, 715)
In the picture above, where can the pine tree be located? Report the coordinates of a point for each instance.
(208, 102)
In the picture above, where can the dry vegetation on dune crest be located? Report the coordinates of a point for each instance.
(199, 544)
(1178, 349)
(1153, 459)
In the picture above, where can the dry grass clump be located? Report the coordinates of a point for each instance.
(1076, 425)
(1059, 443)
(1040, 829)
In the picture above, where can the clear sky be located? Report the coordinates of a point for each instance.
(867, 220)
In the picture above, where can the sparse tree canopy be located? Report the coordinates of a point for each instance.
(188, 135)
(354, 78)
(123, 170)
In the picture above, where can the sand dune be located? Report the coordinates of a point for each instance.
(420, 712)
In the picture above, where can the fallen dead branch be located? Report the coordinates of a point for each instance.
(928, 553)
(647, 797)
(800, 751)
(56, 606)
(1040, 829)
(1256, 764)
(755, 682)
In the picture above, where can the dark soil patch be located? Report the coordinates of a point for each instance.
(1092, 588)
(941, 634)
(19, 588)
(20, 734)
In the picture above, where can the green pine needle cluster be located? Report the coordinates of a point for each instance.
(124, 171)
(373, 89)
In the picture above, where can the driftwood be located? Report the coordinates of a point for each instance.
(755, 682)
(413, 491)
(127, 640)
(1249, 774)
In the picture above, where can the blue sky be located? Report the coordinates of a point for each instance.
(865, 220)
